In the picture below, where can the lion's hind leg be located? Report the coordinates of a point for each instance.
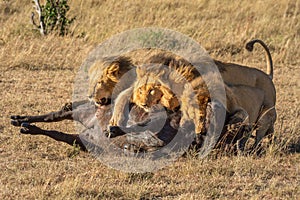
(265, 127)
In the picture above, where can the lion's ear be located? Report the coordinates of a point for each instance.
(113, 72)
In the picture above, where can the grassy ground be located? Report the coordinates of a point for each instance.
(37, 75)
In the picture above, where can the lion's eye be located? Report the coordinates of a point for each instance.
(152, 92)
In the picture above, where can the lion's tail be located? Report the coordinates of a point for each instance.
(249, 47)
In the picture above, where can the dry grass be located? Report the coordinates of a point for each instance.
(37, 77)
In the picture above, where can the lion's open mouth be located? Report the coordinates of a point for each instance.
(146, 108)
(103, 102)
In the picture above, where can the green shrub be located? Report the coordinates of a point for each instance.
(53, 17)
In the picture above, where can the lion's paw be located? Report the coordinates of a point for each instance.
(114, 131)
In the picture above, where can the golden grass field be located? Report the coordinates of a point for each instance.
(37, 75)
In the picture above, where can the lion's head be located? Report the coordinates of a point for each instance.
(147, 95)
(103, 77)
(153, 87)
(151, 94)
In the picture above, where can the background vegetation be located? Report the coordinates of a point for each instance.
(37, 74)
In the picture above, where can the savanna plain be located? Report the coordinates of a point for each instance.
(37, 76)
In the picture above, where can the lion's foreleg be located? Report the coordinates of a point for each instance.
(121, 108)
(238, 124)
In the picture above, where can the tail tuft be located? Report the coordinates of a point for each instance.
(249, 47)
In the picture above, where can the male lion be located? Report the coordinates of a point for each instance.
(150, 89)
(233, 75)
(103, 77)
